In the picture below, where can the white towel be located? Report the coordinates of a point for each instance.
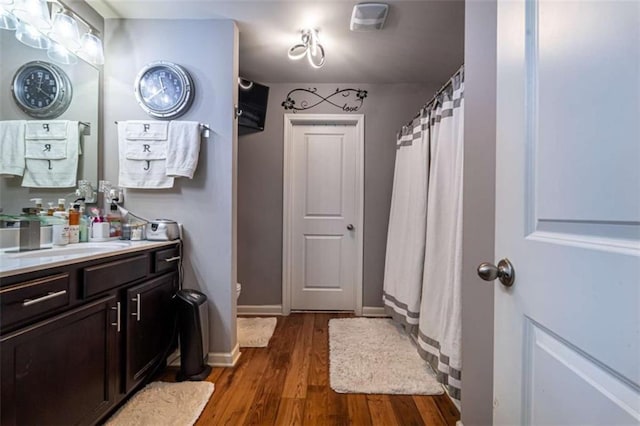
(52, 150)
(142, 167)
(12, 147)
(47, 130)
(146, 130)
(183, 148)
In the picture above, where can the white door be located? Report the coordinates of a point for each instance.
(567, 334)
(324, 220)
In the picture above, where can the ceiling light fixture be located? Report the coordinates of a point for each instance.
(310, 47)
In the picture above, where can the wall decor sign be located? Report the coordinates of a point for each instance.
(348, 100)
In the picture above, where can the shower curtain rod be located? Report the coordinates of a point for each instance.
(439, 92)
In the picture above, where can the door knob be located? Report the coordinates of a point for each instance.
(350, 227)
(504, 272)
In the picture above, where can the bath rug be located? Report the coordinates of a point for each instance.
(162, 403)
(374, 355)
(255, 332)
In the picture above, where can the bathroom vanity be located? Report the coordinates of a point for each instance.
(82, 327)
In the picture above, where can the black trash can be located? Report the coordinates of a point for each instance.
(194, 335)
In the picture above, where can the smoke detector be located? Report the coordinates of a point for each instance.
(368, 16)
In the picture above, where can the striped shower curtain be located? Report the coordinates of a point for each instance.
(407, 223)
(432, 233)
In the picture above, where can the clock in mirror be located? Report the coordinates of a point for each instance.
(29, 102)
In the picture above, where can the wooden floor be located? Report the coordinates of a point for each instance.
(288, 384)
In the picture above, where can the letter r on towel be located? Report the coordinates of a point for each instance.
(147, 148)
(47, 147)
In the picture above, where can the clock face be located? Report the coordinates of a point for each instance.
(164, 89)
(41, 89)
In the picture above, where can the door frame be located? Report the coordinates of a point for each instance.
(290, 120)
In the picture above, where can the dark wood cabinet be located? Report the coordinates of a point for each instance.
(150, 326)
(61, 370)
(78, 339)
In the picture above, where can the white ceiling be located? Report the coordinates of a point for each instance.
(422, 41)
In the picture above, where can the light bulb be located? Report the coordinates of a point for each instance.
(34, 12)
(61, 54)
(30, 36)
(91, 49)
(65, 30)
(7, 20)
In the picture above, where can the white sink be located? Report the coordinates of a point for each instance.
(71, 249)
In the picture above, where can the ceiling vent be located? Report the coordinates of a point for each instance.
(368, 16)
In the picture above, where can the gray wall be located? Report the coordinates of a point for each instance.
(260, 162)
(208, 49)
(478, 211)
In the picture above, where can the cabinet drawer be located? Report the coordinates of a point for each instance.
(167, 259)
(113, 274)
(32, 298)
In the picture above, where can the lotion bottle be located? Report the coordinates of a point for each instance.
(74, 225)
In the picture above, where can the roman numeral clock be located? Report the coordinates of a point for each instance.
(164, 90)
(41, 89)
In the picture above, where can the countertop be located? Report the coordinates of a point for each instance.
(14, 263)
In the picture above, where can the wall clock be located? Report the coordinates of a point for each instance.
(164, 89)
(42, 89)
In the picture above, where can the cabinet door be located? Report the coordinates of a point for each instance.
(150, 326)
(61, 370)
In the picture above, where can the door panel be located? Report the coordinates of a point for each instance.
(568, 213)
(151, 321)
(322, 259)
(45, 365)
(323, 163)
(324, 204)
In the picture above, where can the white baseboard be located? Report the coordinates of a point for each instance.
(259, 309)
(214, 359)
(224, 359)
(373, 311)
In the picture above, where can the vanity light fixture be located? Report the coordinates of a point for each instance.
(29, 35)
(65, 30)
(31, 19)
(7, 20)
(34, 12)
(91, 48)
(310, 47)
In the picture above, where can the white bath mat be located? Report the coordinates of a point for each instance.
(161, 403)
(255, 332)
(373, 355)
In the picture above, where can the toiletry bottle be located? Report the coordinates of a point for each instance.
(38, 203)
(60, 229)
(74, 225)
(84, 229)
(61, 202)
(115, 221)
(50, 210)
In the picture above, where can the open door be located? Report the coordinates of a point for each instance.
(567, 333)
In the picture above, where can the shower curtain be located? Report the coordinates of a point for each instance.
(437, 292)
(407, 223)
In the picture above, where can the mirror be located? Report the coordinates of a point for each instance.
(84, 107)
